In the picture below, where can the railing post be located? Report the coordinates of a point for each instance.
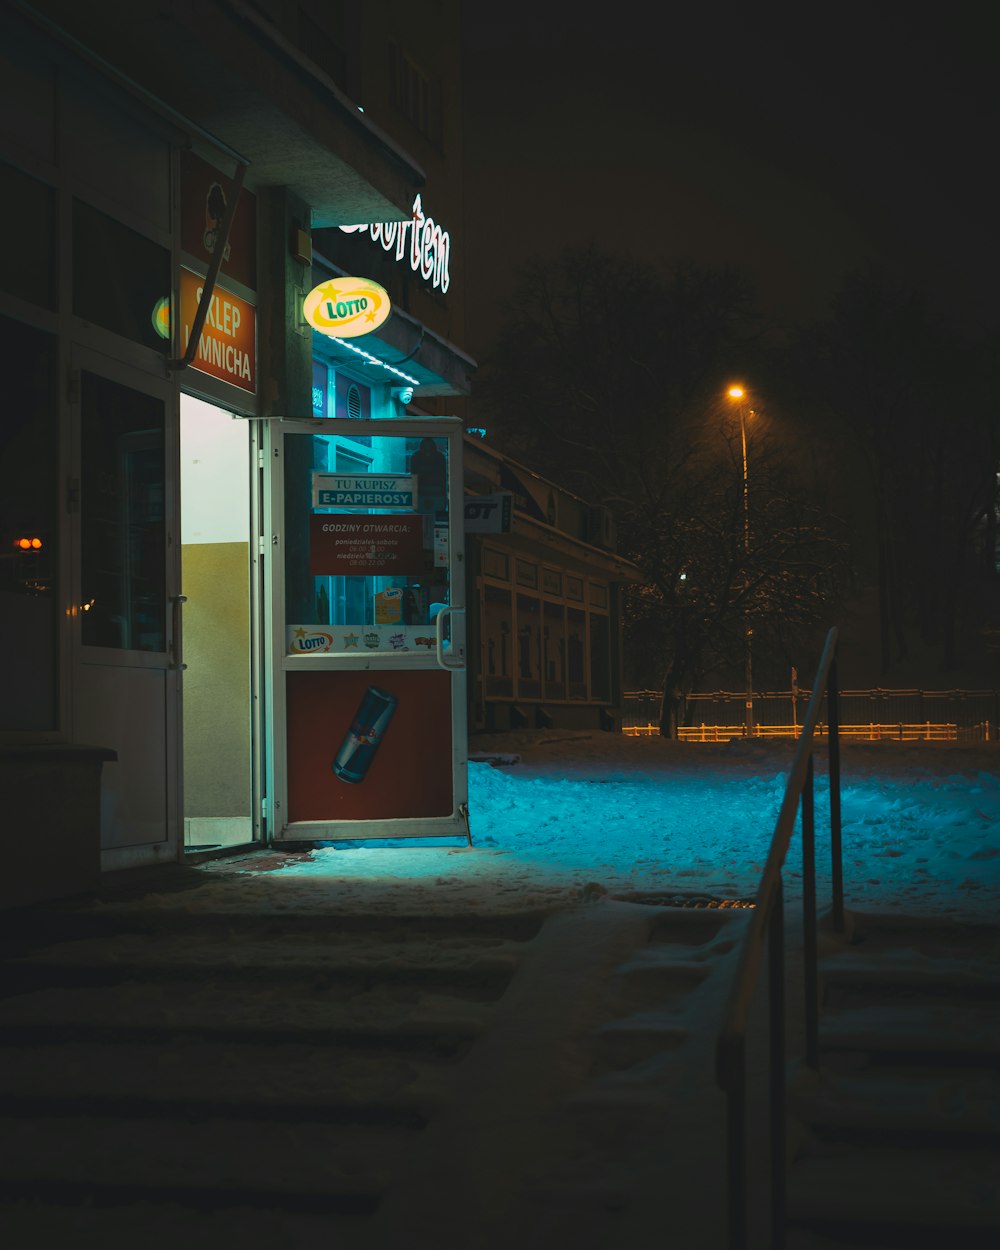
(776, 1014)
(836, 854)
(809, 943)
(736, 1166)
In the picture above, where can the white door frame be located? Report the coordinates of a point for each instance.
(280, 662)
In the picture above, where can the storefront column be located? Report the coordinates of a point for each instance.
(285, 337)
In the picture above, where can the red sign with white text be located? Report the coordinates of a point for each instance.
(348, 545)
(227, 348)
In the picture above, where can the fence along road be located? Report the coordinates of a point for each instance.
(872, 715)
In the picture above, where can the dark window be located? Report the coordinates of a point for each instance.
(554, 651)
(600, 657)
(576, 650)
(122, 529)
(412, 92)
(528, 646)
(323, 38)
(28, 251)
(28, 528)
(120, 278)
(497, 638)
(319, 385)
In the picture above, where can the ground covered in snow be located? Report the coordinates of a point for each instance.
(587, 1112)
(557, 814)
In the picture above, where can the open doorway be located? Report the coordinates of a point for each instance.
(215, 579)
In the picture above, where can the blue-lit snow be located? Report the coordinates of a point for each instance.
(561, 819)
(554, 814)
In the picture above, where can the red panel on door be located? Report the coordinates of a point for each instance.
(369, 745)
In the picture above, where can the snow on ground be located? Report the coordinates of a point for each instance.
(557, 815)
(559, 818)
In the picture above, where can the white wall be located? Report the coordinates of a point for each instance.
(215, 474)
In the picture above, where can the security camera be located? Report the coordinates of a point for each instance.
(404, 394)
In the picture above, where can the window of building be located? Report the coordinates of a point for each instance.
(414, 94)
(497, 658)
(122, 523)
(28, 531)
(527, 574)
(576, 650)
(554, 650)
(320, 384)
(600, 657)
(120, 277)
(322, 36)
(529, 647)
(28, 259)
(598, 594)
(496, 564)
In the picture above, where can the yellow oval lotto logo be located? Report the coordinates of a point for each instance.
(345, 308)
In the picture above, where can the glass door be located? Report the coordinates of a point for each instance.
(369, 638)
(125, 617)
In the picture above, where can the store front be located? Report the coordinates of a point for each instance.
(162, 536)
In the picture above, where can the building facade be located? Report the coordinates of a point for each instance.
(235, 569)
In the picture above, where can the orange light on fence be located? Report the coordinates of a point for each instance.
(28, 544)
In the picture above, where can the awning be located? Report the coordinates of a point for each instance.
(231, 79)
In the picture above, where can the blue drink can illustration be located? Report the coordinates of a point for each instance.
(361, 741)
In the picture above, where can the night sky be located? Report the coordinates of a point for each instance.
(795, 143)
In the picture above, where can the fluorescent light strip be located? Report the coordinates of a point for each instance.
(375, 361)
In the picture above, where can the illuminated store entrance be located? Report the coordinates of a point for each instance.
(368, 603)
(216, 572)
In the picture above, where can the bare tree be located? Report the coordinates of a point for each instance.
(610, 376)
(915, 409)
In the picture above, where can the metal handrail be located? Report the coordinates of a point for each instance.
(767, 921)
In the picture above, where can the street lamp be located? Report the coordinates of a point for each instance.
(737, 394)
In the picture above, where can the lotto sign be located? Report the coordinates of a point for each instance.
(345, 308)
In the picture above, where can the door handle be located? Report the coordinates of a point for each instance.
(457, 649)
(175, 636)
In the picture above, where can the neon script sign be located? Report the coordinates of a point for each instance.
(420, 240)
(344, 308)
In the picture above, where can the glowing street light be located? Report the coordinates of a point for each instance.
(737, 394)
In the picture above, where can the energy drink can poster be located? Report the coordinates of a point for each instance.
(369, 745)
(362, 740)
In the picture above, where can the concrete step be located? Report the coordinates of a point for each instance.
(959, 1106)
(901, 974)
(901, 1197)
(81, 1160)
(24, 929)
(187, 1077)
(215, 1005)
(475, 974)
(915, 1032)
(151, 1221)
